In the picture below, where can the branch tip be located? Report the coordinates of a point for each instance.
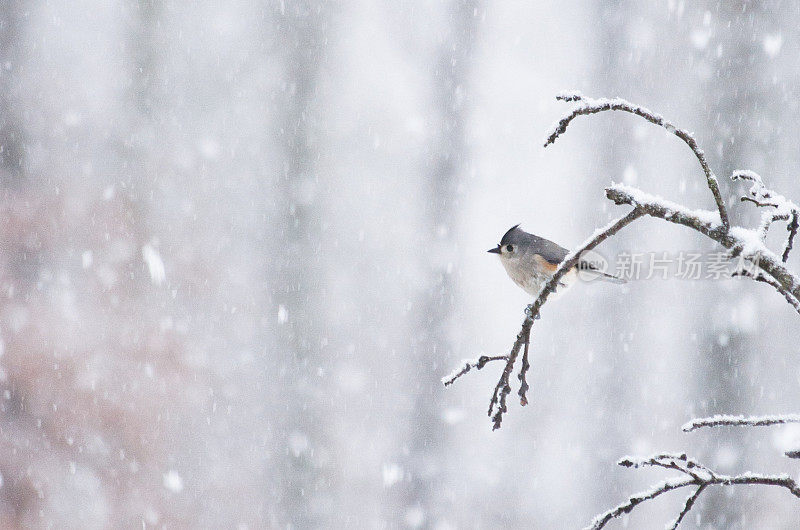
(594, 106)
(749, 421)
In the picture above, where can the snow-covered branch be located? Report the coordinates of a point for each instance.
(781, 209)
(742, 241)
(694, 474)
(738, 239)
(749, 421)
(588, 106)
(634, 500)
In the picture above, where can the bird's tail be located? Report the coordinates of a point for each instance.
(593, 272)
(611, 278)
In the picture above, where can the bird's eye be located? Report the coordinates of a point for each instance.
(510, 248)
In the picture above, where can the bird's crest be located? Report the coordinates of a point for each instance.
(509, 236)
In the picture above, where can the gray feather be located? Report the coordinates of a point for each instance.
(551, 252)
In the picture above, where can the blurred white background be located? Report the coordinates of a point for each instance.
(243, 241)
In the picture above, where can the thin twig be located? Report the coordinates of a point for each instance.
(523, 382)
(759, 277)
(792, 227)
(749, 421)
(784, 209)
(687, 507)
(478, 363)
(593, 106)
(634, 500)
(757, 202)
(677, 461)
(503, 387)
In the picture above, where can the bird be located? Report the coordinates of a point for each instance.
(530, 261)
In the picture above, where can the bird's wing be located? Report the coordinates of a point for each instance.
(552, 252)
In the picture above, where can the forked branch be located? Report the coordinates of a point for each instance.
(779, 208)
(695, 474)
(744, 241)
(710, 478)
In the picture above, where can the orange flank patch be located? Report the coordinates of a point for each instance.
(546, 265)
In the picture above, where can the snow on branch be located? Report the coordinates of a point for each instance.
(634, 500)
(741, 241)
(782, 209)
(588, 106)
(694, 474)
(750, 421)
(468, 365)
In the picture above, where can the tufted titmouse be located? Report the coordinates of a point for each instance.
(531, 260)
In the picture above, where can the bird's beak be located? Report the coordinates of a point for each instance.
(495, 250)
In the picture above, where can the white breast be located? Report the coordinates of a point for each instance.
(531, 280)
